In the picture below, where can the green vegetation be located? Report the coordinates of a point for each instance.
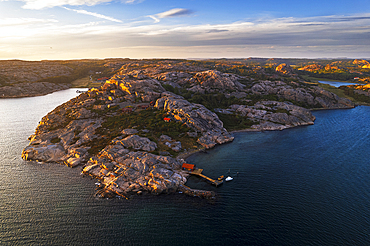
(335, 90)
(233, 122)
(332, 75)
(55, 140)
(348, 91)
(212, 101)
(151, 121)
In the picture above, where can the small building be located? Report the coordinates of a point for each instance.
(189, 167)
(167, 119)
(103, 79)
(152, 103)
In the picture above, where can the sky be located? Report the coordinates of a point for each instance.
(190, 29)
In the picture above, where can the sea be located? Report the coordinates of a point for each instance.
(307, 185)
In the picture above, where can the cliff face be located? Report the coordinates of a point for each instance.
(128, 132)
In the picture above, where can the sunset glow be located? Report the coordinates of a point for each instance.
(71, 29)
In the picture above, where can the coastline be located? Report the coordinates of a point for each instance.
(188, 153)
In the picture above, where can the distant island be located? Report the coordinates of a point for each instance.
(134, 131)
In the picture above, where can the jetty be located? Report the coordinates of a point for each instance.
(198, 172)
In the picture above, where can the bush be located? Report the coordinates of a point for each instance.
(55, 140)
(234, 122)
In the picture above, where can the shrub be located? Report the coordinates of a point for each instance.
(55, 140)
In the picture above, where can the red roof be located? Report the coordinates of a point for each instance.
(188, 166)
(166, 119)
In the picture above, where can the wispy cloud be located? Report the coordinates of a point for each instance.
(24, 21)
(323, 36)
(170, 13)
(41, 4)
(94, 14)
(134, 1)
(174, 13)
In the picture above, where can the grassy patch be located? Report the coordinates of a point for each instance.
(234, 122)
(337, 91)
(357, 98)
(150, 120)
(212, 101)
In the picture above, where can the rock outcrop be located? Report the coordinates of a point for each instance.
(312, 96)
(197, 117)
(311, 68)
(272, 115)
(284, 69)
(212, 81)
(126, 172)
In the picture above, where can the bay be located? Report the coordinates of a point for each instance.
(302, 186)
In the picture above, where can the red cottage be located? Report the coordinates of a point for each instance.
(189, 167)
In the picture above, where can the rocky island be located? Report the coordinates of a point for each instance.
(133, 133)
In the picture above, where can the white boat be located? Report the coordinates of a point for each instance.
(228, 178)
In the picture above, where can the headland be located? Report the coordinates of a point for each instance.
(133, 133)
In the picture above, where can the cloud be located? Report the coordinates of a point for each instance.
(216, 31)
(24, 21)
(41, 4)
(156, 19)
(323, 36)
(170, 13)
(134, 1)
(94, 14)
(174, 13)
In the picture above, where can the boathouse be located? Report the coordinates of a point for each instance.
(189, 167)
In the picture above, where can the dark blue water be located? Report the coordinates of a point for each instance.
(303, 186)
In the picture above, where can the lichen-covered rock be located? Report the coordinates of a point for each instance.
(142, 87)
(138, 143)
(127, 132)
(213, 80)
(48, 153)
(126, 172)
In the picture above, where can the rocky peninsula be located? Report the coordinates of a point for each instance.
(130, 133)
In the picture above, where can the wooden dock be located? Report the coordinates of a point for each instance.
(199, 171)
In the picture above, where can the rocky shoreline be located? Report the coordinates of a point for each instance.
(132, 134)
